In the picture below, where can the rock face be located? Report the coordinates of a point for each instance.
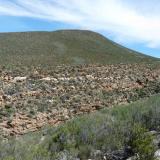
(30, 101)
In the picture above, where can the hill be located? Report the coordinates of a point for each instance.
(64, 47)
(52, 82)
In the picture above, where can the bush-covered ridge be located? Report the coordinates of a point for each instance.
(63, 47)
(121, 131)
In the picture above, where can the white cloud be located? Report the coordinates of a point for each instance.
(127, 20)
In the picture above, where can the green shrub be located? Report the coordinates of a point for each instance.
(142, 143)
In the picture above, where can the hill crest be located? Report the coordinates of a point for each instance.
(64, 47)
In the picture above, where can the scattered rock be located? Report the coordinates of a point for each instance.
(54, 96)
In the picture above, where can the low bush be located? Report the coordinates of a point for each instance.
(107, 130)
(142, 143)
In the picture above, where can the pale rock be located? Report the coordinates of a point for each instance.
(157, 155)
(19, 79)
(46, 79)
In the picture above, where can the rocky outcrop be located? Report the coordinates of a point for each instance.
(28, 102)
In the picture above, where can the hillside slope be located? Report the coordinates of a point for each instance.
(63, 47)
(51, 97)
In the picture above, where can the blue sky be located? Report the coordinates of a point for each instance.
(134, 24)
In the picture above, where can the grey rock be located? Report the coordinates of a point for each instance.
(156, 141)
(96, 154)
(132, 158)
(157, 155)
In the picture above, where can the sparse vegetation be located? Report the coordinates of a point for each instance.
(108, 130)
